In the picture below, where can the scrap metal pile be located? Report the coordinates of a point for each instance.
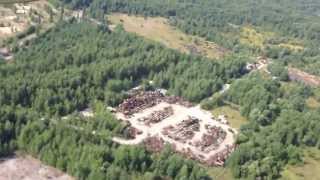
(131, 132)
(157, 116)
(177, 100)
(212, 139)
(154, 144)
(155, 119)
(145, 99)
(140, 102)
(220, 158)
(183, 131)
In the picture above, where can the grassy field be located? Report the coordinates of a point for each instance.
(309, 170)
(220, 173)
(292, 46)
(312, 103)
(254, 37)
(233, 116)
(159, 30)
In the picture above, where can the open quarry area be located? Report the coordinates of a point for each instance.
(28, 168)
(155, 119)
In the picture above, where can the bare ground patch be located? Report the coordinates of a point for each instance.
(301, 76)
(26, 168)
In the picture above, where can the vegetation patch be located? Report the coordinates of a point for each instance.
(234, 117)
(292, 46)
(312, 103)
(220, 173)
(308, 170)
(159, 30)
(254, 37)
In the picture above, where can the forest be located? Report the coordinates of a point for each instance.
(76, 65)
(220, 22)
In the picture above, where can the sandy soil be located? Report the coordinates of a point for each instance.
(180, 113)
(301, 76)
(28, 168)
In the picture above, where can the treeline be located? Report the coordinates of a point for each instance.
(83, 148)
(198, 16)
(74, 65)
(222, 23)
(280, 125)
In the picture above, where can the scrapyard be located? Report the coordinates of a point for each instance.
(155, 119)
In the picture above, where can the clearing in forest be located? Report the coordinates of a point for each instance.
(255, 37)
(158, 29)
(312, 103)
(29, 168)
(155, 119)
(233, 115)
(304, 77)
(308, 170)
(220, 173)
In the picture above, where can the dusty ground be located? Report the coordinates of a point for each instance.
(28, 168)
(10, 23)
(180, 113)
(158, 29)
(301, 76)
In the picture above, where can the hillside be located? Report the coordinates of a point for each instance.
(159, 29)
(148, 89)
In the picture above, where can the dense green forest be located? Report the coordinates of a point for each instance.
(78, 65)
(73, 66)
(221, 22)
(280, 123)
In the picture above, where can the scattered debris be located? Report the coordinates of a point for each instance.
(183, 131)
(154, 119)
(86, 113)
(261, 63)
(143, 100)
(154, 144)
(131, 132)
(157, 116)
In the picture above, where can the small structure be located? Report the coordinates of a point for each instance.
(260, 63)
